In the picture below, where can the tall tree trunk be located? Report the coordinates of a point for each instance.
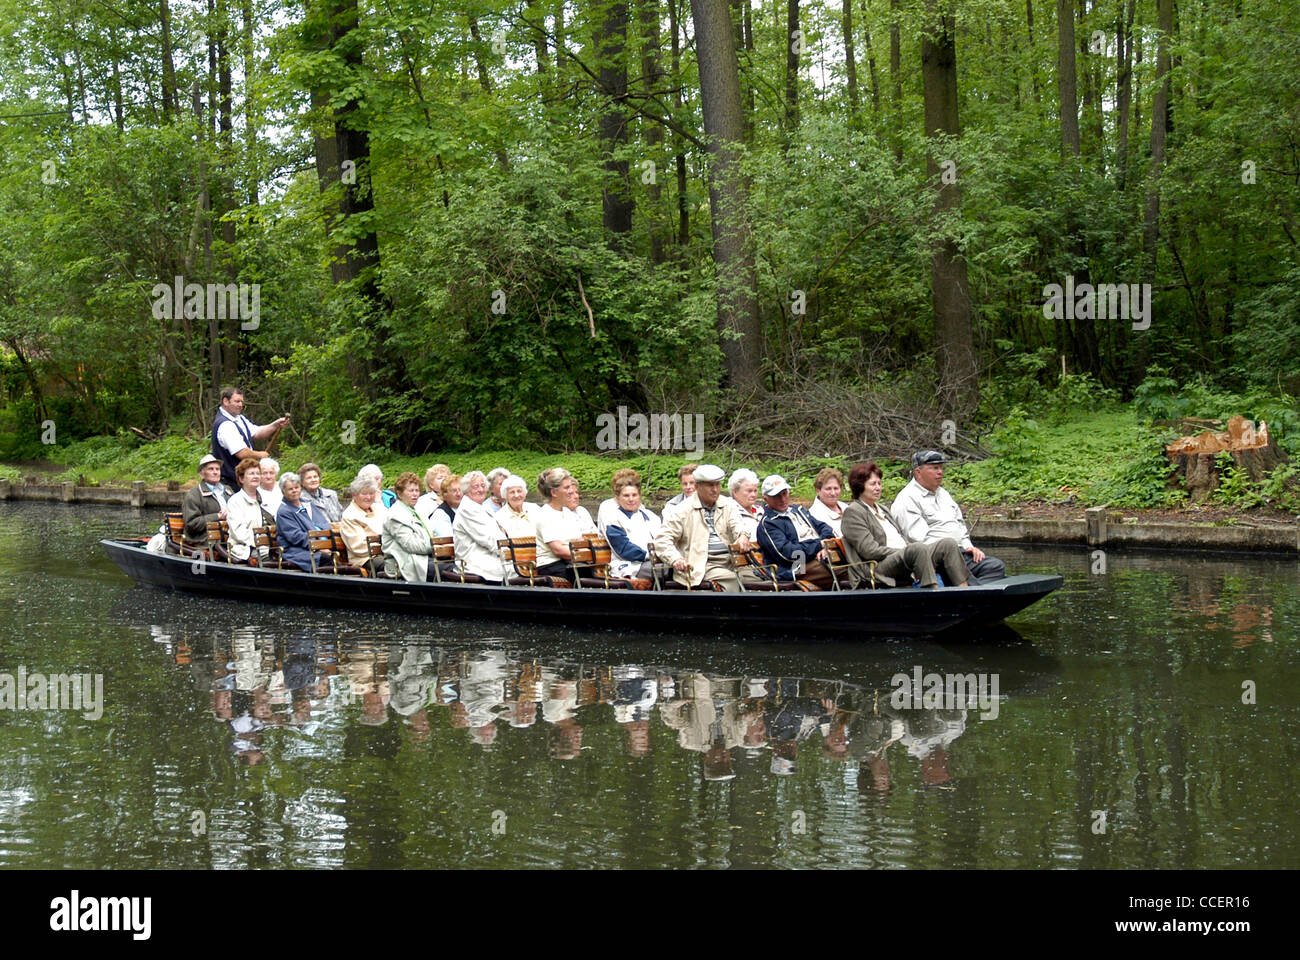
(896, 78)
(168, 68)
(226, 193)
(485, 83)
(1082, 335)
(118, 117)
(793, 44)
(850, 64)
(1159, 129)
(616, 192)
(1033, 57)
(733, 246)
(1066, 84)
(679, 155)
(652, 73)
(871, 69)
(559, 35)
(1123, 88)
(535, 16)
(249, 44)
(1091, 108)
(1159, 119)
(955, 346)
(343, 159)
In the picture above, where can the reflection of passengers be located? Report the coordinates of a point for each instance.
(482, 693)
(559, 705)
(928, 734)
(367, 672)
(411, 677)
(789, 718)
(633, 698)
(869, 727)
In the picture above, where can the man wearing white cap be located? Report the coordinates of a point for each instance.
(788, 532)
(697, 537)
(205, 502)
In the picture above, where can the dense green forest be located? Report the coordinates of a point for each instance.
(825, 225)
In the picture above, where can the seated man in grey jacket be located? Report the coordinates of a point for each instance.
(925, 513)
(869, 534)
(204, 503)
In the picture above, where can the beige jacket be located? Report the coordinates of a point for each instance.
(686, 535)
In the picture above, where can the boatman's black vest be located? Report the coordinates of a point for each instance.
(228, 461)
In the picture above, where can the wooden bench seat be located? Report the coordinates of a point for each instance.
(520, 554)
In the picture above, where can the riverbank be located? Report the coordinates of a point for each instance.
(1089, 476)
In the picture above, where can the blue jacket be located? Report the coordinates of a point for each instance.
(291, 526)
(779, 542)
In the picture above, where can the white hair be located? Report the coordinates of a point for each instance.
(289, 477)
(363, 483)
(497, 472)
(268, 462)
(371, 470)
(514, 480)
(467, 481)
(742, 475)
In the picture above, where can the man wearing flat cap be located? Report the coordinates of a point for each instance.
(204, 503)
(697, 537)
(926, 513)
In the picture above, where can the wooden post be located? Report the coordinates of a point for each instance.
(1096, 517)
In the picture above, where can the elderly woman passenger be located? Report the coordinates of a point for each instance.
(585, 523)
(475, 532)
(629, 527)
(556, 523)
(294, 519)
(406, 540)
(496, 498)
(827, 507)
(326, 501)
(515, 519)
(430, 500)
(743, 487)
(870, 534)
(443, 518)
(244, 511)
(371, 470)
(269, 490)
(685, 477)
(364, 517)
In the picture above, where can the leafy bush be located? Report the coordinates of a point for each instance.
(1159, 397)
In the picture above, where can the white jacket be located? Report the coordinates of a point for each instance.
(475, 534)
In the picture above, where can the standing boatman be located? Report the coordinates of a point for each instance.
(233, 434)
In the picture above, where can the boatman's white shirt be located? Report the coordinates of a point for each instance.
(925, 517)
(231, 437)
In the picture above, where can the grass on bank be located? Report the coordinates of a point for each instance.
(1098, 452)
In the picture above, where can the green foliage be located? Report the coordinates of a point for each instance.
(1095, 458)
(1160, 397)
(489, 173)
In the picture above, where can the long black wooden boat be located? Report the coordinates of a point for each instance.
(817, 615)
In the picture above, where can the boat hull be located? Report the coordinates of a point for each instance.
(824, 615)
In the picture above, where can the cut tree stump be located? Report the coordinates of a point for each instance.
(1252, 450)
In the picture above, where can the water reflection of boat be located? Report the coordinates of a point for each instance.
(255, 682)
(817, 615)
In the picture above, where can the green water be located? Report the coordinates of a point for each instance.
(242, 735)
